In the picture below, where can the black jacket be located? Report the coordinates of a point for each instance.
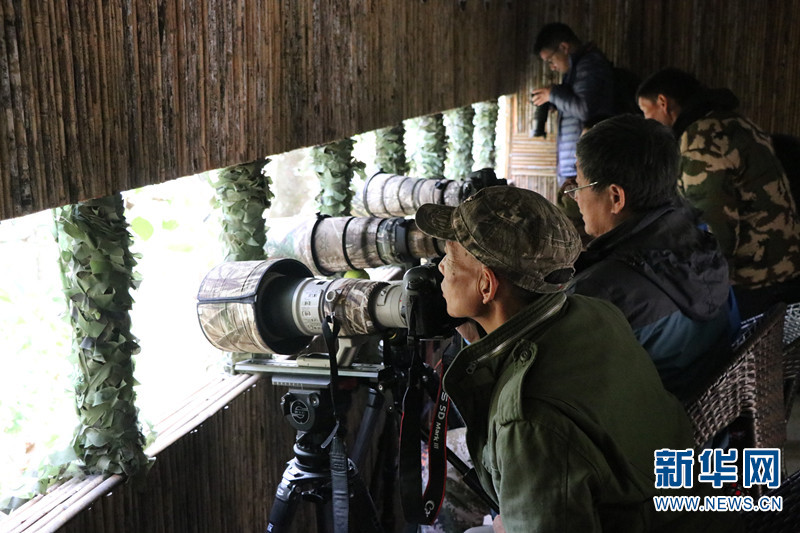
(670, 280)
(586, 92)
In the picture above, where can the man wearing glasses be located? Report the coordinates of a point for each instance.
(648, 257)
(587, 89)
(563, 407)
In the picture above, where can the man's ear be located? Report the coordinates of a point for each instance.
(670, 107)
(616, 195)
(488, 285)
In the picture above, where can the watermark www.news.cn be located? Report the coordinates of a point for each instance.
(674, 469)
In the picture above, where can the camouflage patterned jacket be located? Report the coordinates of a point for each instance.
(730, 173)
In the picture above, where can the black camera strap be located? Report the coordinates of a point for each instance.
(339, 462)
(422, 509)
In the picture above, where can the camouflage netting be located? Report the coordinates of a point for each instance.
(431, 149)
(459, 127)
(485, 138)
(243, 194)
(97, 268)
(335, 166)
(390, 150)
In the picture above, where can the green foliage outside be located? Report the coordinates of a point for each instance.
(174, 225)
(37, 399)
(37, 411)
(390, 150)
(485, 151)
(97, 268)
(335, 166)
(431, 150)
(459, 127)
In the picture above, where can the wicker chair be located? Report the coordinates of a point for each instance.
(750, 387)
(785, 521)
(791, 355)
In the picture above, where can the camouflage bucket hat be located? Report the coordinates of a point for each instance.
(516, 232)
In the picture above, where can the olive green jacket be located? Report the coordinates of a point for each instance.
(564, 410)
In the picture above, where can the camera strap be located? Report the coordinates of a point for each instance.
(422, 509)
(339, 463)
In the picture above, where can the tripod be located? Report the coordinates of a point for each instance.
(308, 475)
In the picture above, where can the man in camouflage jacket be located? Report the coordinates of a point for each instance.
(730, 173)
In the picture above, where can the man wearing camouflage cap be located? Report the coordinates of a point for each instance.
(563, 407)
(729, 171)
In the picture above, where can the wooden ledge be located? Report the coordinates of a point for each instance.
(50, 511)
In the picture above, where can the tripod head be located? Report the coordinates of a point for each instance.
(321, 472)
(310, 412)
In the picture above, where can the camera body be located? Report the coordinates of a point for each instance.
(425, 305)
(540, 120)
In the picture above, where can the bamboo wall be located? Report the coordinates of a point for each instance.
(220, 477)
(99, 97)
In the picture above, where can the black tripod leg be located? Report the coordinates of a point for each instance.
(283, 507)
(363, 515)
(366, 430)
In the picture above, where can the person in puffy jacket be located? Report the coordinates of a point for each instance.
(586, 90)
(649, 258)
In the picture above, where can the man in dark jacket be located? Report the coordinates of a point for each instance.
(563, 408)
(587, 89)
(649, 258)
(730, 173)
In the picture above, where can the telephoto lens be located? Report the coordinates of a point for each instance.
(392, 195)
(328, 245)
(276, 307)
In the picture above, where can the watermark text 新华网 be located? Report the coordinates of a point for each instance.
(674, 469)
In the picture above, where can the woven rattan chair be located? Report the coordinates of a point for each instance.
(750, 387)
(791, 324)
(785, 521)
(791, 355)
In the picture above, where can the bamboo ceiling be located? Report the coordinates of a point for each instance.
(102, 96)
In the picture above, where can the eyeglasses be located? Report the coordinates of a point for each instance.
(549, 60)
(571, 192)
